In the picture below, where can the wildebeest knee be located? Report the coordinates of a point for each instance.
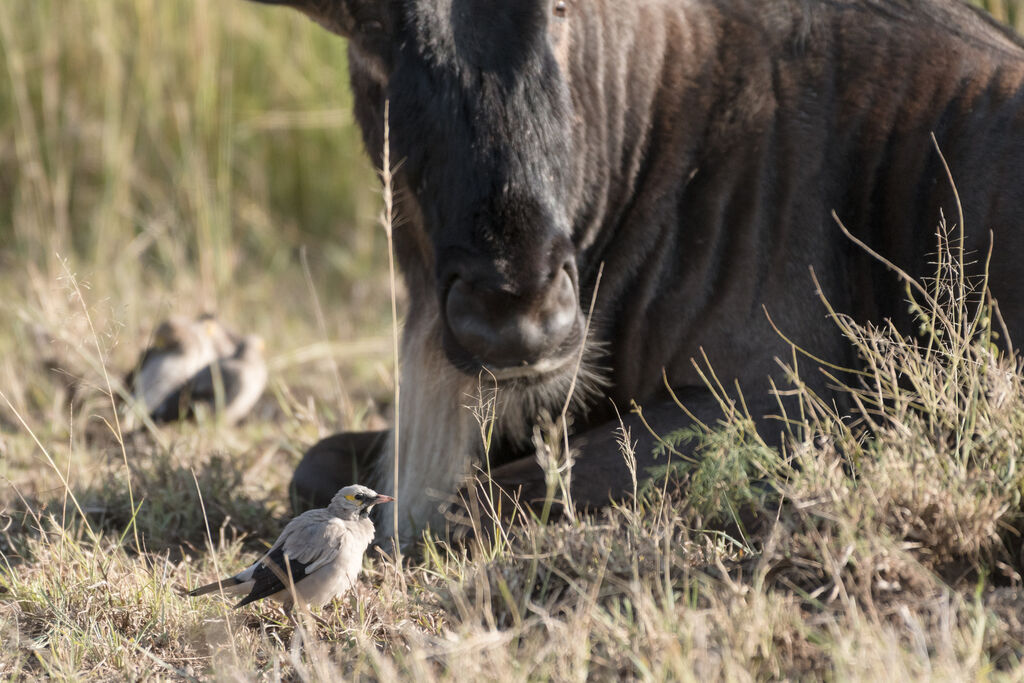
(331, 463)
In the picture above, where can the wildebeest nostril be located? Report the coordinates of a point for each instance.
(504, 330)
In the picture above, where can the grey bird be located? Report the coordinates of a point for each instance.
(316, 558)
(180, 348)
(231, 385)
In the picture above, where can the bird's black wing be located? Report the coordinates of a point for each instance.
(177, 406)
(272, 575)
(129, 379)
(200, 388)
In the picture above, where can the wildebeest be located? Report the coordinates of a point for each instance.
(696, 149)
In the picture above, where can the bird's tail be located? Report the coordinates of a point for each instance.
(229, 585)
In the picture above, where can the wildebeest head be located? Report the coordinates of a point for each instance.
(480, 118)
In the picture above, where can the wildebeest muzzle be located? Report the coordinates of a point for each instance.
(528, 326)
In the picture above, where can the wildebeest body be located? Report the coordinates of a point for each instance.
(697, 150)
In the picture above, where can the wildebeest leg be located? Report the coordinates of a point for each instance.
(600, 472)
(332, 463)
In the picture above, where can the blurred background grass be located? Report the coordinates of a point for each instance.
(181, 156)
(1010, 12)
(125, 124)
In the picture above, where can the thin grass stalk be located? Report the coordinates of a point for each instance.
(216, 566)
(345, 412)
(565, 485)
(388, 223)
(109, 392)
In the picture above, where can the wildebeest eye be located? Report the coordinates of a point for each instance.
(561, 8)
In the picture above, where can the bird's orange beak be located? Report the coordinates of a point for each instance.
(381, 498)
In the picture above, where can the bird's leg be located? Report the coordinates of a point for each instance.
(296, 616)
(300, 627)
(295, 642)
(320, 620)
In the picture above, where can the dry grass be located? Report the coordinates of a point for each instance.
(173, 156)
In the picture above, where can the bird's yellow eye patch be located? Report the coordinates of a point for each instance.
(351, 497)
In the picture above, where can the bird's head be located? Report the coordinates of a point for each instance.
(251, 348)
(356, 500)
(224, 341)
(171, 335)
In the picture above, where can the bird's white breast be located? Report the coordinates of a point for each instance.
(336, 578)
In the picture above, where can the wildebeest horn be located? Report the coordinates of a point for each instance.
(334, 15)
